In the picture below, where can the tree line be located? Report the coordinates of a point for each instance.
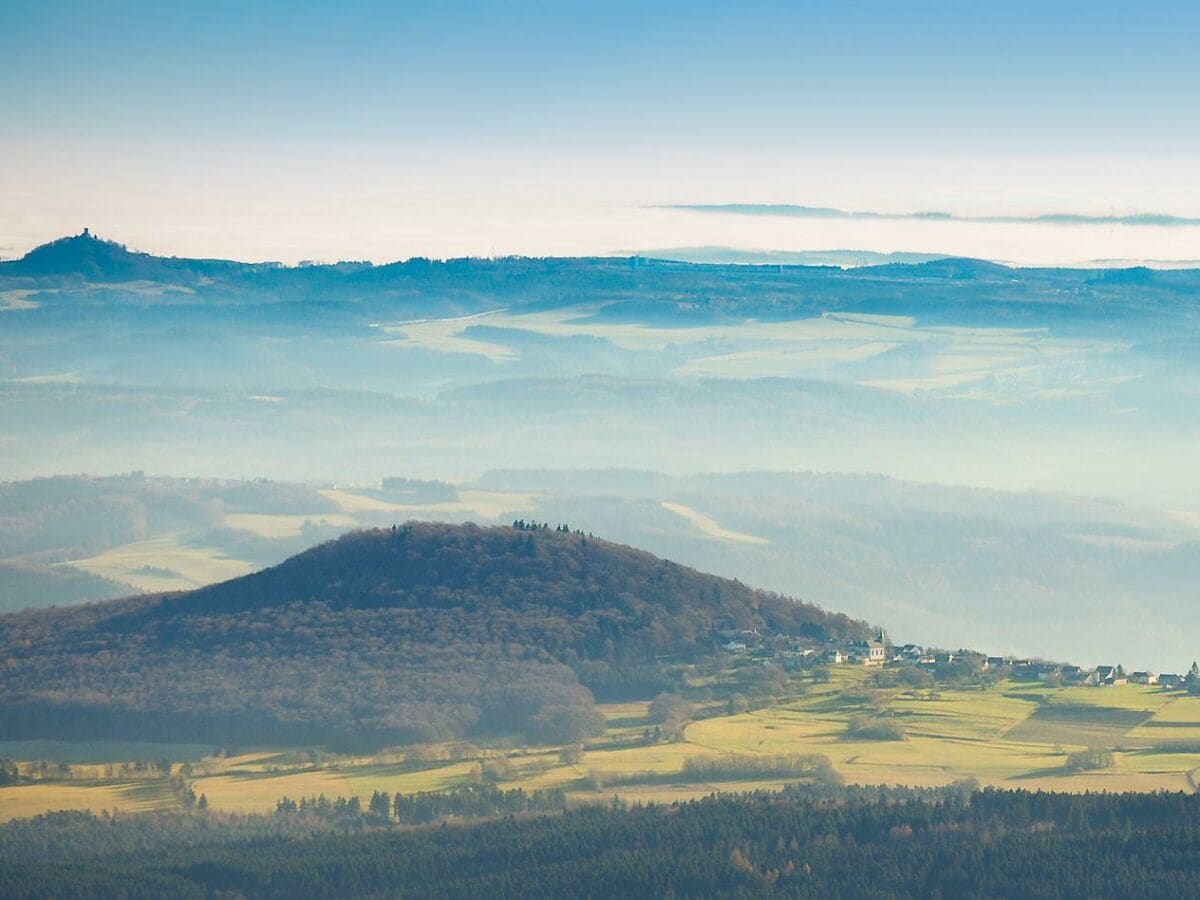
(854, 842)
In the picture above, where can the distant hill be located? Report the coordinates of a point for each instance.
(29, 584)
(841, 258)
(85, 254)
(419, 632)
(99, 260)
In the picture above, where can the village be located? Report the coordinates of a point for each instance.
(791, 653)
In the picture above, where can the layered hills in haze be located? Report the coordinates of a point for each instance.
(954, 374)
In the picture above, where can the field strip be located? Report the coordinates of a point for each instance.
(285, 526)
(709, 527)
(1013, 723)
(1187, 516)
(489, 504)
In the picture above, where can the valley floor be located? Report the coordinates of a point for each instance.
(1011, 734)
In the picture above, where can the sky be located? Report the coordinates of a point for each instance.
(383, 130)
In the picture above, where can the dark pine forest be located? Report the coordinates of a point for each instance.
(861, 843)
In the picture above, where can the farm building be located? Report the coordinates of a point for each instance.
(1049, 672)
(1026, 670)
(1106, 676)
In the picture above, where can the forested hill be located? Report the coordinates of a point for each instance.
(595, 589)
(411, 633)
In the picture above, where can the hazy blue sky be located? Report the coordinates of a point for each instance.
(626, 90)
(1014, 76)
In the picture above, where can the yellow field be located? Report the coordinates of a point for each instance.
(350, 502)
(17, 299)
(670, 793)
(284, 526)
(443, 335)
(168, 563)
(21, 800)
(709, 526)
(259, 793)
(957, 360)
(970, 733)
(1178, 720)
(163, 564)
(630, 709)
(486, 504)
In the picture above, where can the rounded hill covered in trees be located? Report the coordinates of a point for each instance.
(417, 632)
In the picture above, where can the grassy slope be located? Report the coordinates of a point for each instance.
(164, 564)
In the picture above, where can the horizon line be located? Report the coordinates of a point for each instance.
(791, 210)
